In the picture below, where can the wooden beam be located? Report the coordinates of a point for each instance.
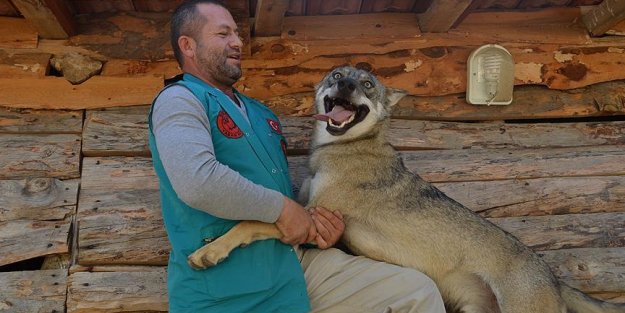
(33, 291)
(25, 121)
(25, 65)
(442, 15)
(25, 239)
(38, 199)
(17, 33)
(7, 9)
(269, 17)
(53, 19)
(103, 128)
(604, 16)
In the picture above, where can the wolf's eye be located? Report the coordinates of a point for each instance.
(368, 84)
(337, 75)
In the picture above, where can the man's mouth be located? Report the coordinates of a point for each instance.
(341, 114)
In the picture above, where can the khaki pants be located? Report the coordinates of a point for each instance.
(342, 283)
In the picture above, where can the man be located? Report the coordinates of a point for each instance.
(220, 158)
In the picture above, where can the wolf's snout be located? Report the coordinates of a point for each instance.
(346, 86)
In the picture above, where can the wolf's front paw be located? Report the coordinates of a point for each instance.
(204, 258)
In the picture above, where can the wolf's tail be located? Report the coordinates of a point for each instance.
(578, 302)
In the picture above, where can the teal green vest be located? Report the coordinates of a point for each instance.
(263, 277)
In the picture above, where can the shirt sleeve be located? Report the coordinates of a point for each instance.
(183, 139)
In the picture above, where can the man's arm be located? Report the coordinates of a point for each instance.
(182, 134)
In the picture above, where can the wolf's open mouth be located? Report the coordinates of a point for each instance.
(341, 114)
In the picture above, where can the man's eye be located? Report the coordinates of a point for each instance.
(368, 84)
(337, 75)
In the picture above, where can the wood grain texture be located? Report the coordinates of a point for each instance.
(442, 15)
(116, 131)
(117, 292)
(52, 19)
(26, 121)
(23, 239)
(603, 17)
(17, 33)
(119, 215)
(41, 199)
(269, 16)
(27, 64)
(43, 155)
(33, 291)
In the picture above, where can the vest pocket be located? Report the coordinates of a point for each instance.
(246, 270)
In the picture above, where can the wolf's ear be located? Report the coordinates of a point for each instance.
(393, 95)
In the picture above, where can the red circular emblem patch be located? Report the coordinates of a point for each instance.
(275, 126)
(227, 126)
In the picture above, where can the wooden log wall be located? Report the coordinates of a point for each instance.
(77, 182)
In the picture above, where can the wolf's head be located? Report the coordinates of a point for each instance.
(350, 103)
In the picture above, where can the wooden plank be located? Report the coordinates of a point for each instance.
(541, 196)
(20, 121)
(33, 291)
(332, 7)
(126, 68)
(52, 19)
(17, 33)
(597, 230)
(441, 15)
(7, 9)
(24, 239)
(438, 166)
(156, 5)
(530, 102)
(534, 4)
(119, 213)
(99, 6)
(117, 292)
(269, 17)
(116, 131)
(589, 269)
(39, 156)
(31, 64)
(373, 6)
(498, 4)
(97, 92)
(607, 14)
(37, 199)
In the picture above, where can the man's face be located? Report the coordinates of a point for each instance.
(218, 51)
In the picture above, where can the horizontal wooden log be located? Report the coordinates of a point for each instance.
(119, 215)
(97, 92)
(126, 67)
(117, 292)
(33, 291)
(42, 199)
(20, 121)
(598, 230)
(24, 65)
(116, 131)
(499, 164)
(542, 196)
(530, 102)
(39, 156)
(592, 270)
(23, 239)
(17, 33)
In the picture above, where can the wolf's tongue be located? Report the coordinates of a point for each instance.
(338, 114)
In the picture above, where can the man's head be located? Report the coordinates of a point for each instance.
(206, 43)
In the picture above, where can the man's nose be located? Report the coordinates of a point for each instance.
(236, 42)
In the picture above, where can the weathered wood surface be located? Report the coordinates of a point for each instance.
(442, 15)
(541, 196)
(269, 16)
(499, 164)
(603, 17)
(27, 155)
(29, 65)
(17, 121)
(52, 19)
(37, 199)
(117, 292)
(98, 91)
(33, 291)
(123, 131)
(116, 131)
(126, 67)
(119, 215)
(593, 270)
(23, 239)
(530, 102)
(17, 32)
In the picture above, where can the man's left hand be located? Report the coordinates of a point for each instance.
(330, 226)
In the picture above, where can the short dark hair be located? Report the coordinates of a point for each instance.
(186, 21)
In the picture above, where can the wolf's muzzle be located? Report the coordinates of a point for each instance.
(346, 86)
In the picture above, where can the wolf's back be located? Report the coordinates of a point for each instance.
(579, 302)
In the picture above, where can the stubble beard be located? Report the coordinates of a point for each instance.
(215, 65)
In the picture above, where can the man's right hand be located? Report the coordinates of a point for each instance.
(295, 224)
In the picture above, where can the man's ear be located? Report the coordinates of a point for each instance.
(187, 46)
(393, 95)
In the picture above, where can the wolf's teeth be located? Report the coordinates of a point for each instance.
(351, 118)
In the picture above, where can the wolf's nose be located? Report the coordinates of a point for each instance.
(347, 85)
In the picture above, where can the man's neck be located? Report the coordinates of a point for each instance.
(227, 90)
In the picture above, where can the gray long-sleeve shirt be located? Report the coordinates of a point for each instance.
(183, 139)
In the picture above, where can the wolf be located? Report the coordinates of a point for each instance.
(393, 215)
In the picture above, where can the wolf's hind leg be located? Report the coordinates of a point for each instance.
(467, 293)
(241, 234)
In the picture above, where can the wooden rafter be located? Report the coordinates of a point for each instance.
(52, 18)
(442, 15)
(269, 17)
(604, 16)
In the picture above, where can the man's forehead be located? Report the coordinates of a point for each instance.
(215, 14)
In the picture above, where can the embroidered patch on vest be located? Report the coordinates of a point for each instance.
(275, 126)
(227, 126)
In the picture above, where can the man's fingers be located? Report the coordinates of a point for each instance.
(336, 220)
(321, 243)
(321, 228)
